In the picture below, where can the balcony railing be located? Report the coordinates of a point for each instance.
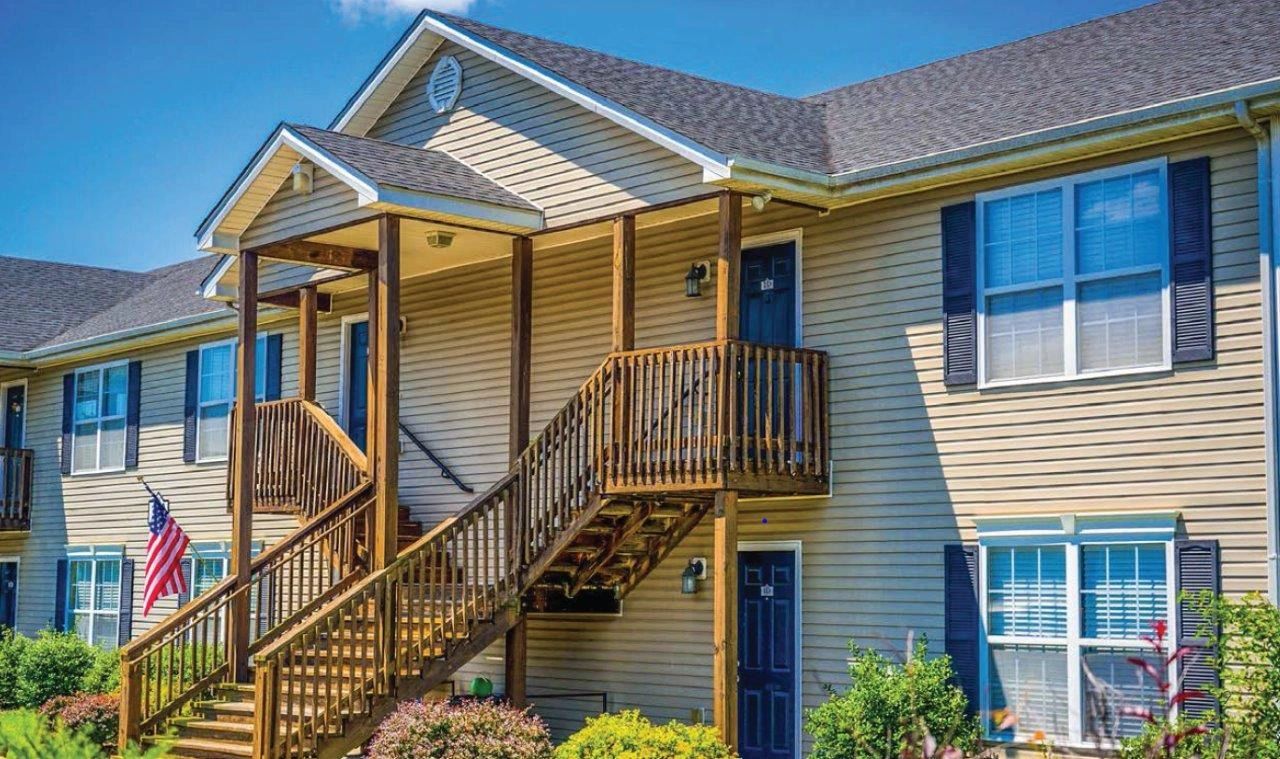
(17, 466)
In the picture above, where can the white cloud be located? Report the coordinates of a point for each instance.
(354, 10)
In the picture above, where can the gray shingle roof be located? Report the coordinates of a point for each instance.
(412, 168)
(40, 300)
(43, 303)
(1157, 53)
(168, 293)
(1169, 50)
(724, 117)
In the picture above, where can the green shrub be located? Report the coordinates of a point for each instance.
(104, 674)
(11, 647)
(97, 715)
(52, 664)
(471, 730)
(24, 734)
(1248, 662)
(892, 708)
(630, 736)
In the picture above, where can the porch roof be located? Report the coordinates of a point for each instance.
(385, 176)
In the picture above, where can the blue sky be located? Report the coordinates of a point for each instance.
(122, 123)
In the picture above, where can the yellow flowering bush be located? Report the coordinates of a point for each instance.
(629, 735)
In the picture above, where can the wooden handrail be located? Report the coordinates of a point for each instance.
(17, 469)
(171, 665)
(640, 421)
(305, 462)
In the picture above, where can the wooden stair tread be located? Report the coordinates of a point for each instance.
(203, 747)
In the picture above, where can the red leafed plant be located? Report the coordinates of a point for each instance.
(1166, 734)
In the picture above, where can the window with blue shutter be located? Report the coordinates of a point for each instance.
(963, 617)
(1197, 569)
(959, 306)
(133, 415)
(1191, 257)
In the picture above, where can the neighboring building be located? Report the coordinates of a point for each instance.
(986, 347)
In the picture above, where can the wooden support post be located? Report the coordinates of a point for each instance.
(308, 300)
(624, 283)
(371, 400)
(729, 266)
(245, 461)
(724, 678)
(386, 433)
(724, 685)
(517, 643)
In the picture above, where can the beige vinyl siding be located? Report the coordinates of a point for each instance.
(915, 462)
(572, 163)
(289, 214)
(111, 509)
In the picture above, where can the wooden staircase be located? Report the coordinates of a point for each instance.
(610, 487)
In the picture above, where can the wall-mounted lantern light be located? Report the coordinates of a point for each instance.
(693, 280)
(695, 571)
(758, 202)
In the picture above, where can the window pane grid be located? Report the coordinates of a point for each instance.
(1104, 238)
(217, 388)
(98, 435)
(93, 599)
(1070, 680)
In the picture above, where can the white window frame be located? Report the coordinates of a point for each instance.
(218, 550)
(1113, 531)
(259, 395)
(93, 554)
(1070, 280)
(98, 420)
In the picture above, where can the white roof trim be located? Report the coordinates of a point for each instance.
(212, 288)
(714, 164)
(1095, 526)
(369, 193)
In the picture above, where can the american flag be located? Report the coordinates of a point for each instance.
(164, 555)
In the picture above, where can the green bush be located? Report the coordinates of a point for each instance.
(1248, 661)
(630, 736)
(11, 647)
(104, 674)
(24, 734)
(892, 708)
(52, 664)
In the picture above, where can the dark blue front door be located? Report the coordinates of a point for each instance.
(8, 594)
(767, 655)
(357, 369)
(768, 299)
(15, 407)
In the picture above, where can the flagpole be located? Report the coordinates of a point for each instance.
(153, 493)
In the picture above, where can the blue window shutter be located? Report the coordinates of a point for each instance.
(188, 575)
(959, 294)
(126, 602)
(962, 615)
(60, 596)
(275, 351)
(133, 415)
(1196, 567)
(68, 414)
(191, 407)
(1191, 260)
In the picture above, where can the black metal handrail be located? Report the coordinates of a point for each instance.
(445, 471)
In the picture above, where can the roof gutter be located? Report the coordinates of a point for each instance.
(1212, 110)
(1268, 271)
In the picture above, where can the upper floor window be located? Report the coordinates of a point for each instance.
(99, 418)
(217, 391)
(1074, 276)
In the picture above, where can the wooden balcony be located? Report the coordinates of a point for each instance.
(17, 466)
(723, 415)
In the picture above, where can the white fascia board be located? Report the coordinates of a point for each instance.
(211, 240)
(212, 288)
(713, 163)
(453, 206)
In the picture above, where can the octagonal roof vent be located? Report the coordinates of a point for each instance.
(445, 84)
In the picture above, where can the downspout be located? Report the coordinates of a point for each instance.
(1270, 341)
